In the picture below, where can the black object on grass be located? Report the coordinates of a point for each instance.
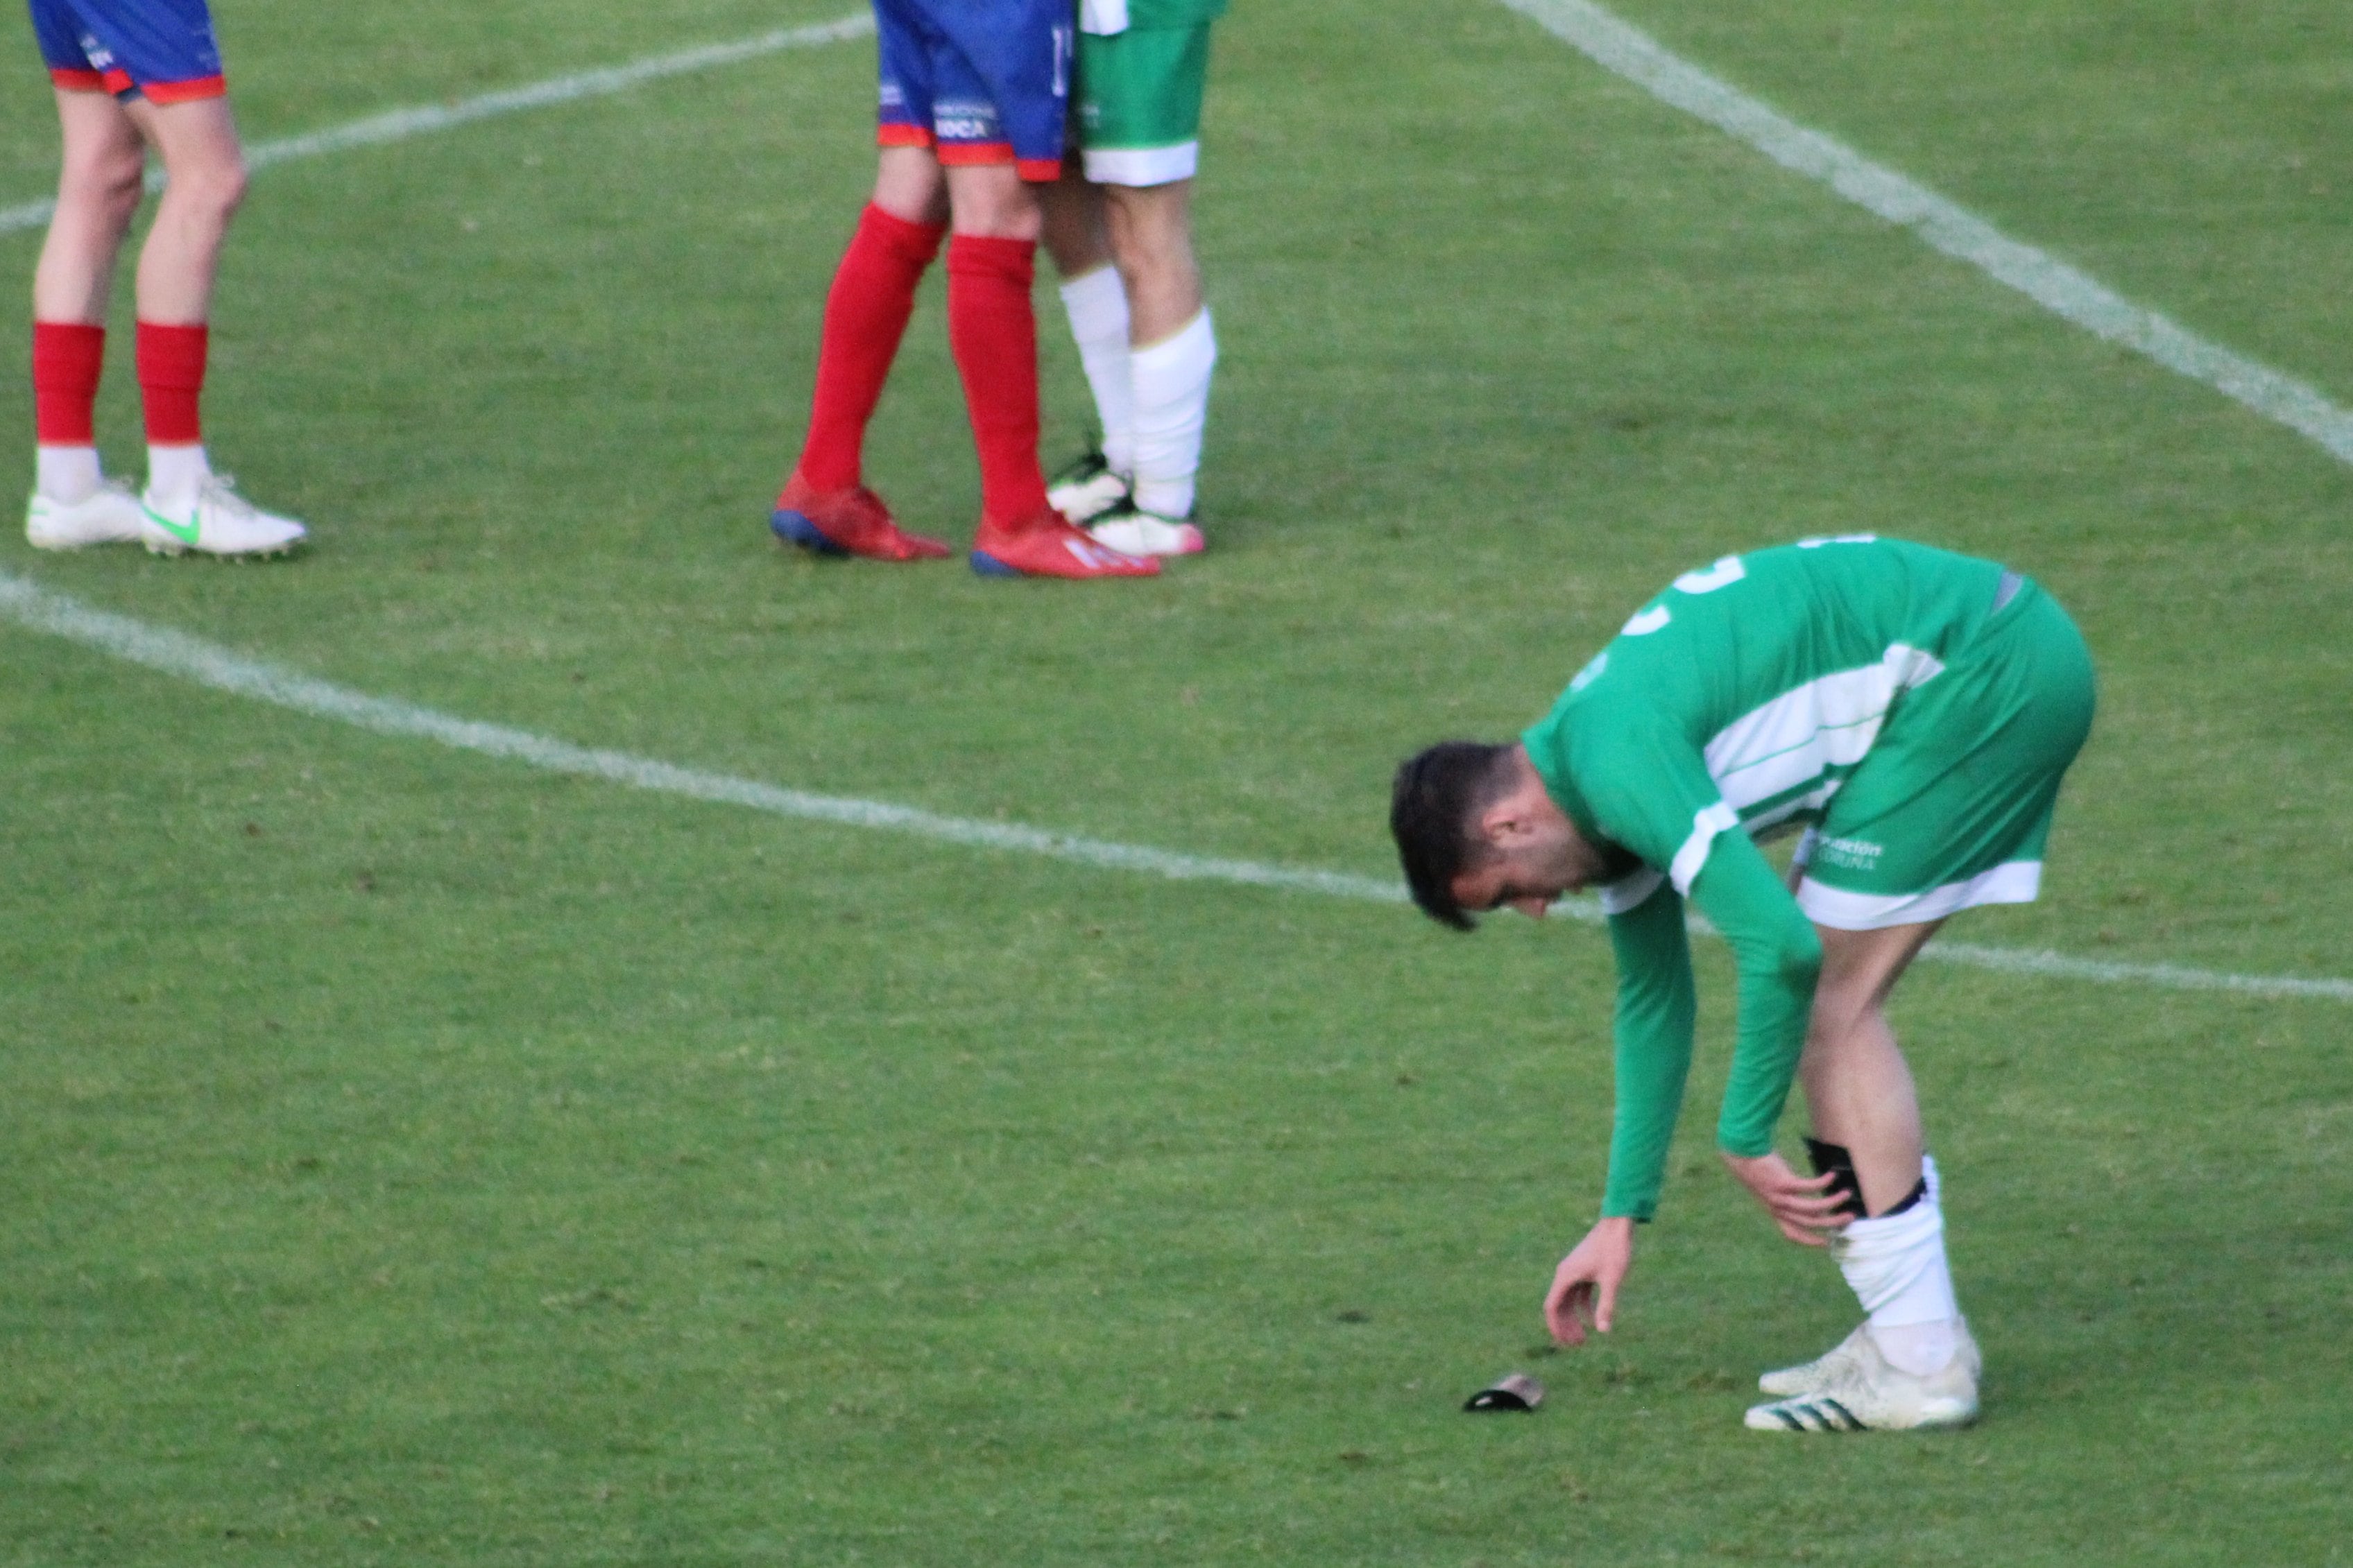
(1513, 1390)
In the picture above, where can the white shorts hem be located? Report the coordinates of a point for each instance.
(2014, 882)
(1142, 165)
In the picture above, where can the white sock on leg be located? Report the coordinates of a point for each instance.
(1097, 305)
(1172, 408)
(66, 475)
(175, 473)
(1895, 1265)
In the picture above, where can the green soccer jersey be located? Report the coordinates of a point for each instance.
(1740, 698)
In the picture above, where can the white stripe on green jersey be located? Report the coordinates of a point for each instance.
(1747, 693)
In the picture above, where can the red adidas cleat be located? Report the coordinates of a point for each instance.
(1045, 544)
(852, 521)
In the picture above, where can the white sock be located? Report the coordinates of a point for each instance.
(1895, 1265)
(1923, 1349)
(1172, 407)
(1097, 304)
(66, 475)
(175, 473)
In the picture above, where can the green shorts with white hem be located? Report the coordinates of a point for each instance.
(1951, 806)
(1138, 103)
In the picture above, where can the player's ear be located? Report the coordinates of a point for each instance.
(1503, 824)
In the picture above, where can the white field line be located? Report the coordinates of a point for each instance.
(399, 124)
(2058, 287)
(190, 659)
(206, 663)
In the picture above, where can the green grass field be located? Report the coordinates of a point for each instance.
(411, 1157)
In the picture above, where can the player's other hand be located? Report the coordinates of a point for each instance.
(1585, 1287)
(1804, 1206)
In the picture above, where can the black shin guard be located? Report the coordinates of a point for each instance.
(1833, 1159)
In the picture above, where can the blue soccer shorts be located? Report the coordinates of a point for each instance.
(162, 50)
(980, 81)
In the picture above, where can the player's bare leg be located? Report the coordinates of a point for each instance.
(992, 201)
(203, 166)
(1150, 228)
(1912, 1362)
(1859, 1090)
(98, 190)
(910, 185)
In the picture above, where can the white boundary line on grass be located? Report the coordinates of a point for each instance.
(400, 124)
(2065, 291)
(208, 664)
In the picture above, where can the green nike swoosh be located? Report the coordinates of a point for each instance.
(184, 535)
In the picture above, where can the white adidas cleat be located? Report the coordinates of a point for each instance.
(108, 515)
(1087, 488)
(1133, 532)
(215, 520)
(1836, 1363)
(1854, 1390)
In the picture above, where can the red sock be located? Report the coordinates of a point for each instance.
(995, 335)
(865, 315)
(171, 380)
(66, 358)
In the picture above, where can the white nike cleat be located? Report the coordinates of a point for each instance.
(1133, 532)
(108, 515)
(215, 520)
(1086, 490)
(1859, 1392)
(1836, 1363)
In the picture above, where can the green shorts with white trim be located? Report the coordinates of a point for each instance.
(1138, 102)
(1952, 806)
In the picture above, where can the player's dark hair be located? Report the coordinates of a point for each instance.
(1434, 807)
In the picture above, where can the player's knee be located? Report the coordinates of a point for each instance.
(996, 217)
(991, 202)
(113, 180)
(224, 186)
(1156, 272)
(214, 186)
(909, 184)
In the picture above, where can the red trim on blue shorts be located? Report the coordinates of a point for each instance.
(187, 91)
(1039, 171)
(67, 79)
(892, 133)
(965, 154)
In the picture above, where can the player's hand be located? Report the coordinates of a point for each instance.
(1804, 1206)
(1585, 1287)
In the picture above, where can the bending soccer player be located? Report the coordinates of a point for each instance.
(1122, 238)
(130, 75)
(1914, 711)
(973, 94)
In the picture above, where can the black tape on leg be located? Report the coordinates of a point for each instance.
(1833, 1160)
(1919, 1190)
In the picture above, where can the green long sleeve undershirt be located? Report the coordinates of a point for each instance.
(1780, 958)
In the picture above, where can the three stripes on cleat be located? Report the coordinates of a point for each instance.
(1819, 1413)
